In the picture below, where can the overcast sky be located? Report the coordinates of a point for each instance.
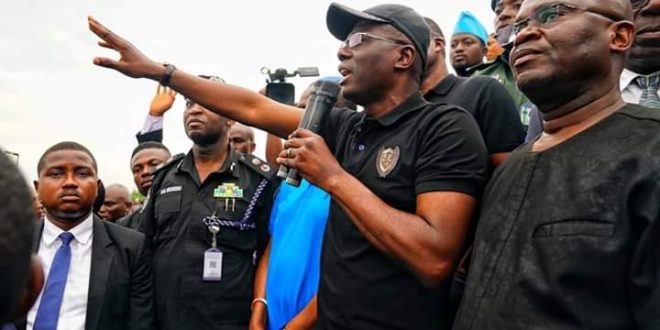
(50, 91)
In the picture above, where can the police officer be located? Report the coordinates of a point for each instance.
(207, 218)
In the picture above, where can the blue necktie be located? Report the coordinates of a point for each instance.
(51, 300)
(649, 86)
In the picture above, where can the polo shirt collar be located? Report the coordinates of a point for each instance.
(445, 85)
(412, 103)
(81, 232)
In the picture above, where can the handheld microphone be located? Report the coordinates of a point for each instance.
(321, 100)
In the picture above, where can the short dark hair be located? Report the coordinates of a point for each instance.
(434, 27)
(66, 145)
(17, 225)
(149, 145)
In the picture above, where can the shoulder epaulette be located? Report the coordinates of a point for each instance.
(175, 160)
(258, 165)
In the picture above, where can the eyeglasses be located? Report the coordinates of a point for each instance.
(544, 16)
(357, 38)
(638, 4)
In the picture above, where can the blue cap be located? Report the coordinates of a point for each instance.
(469, 24)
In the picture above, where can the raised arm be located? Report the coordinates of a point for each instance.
(233, 102)
(152, 129)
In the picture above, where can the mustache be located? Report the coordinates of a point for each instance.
(69, 192)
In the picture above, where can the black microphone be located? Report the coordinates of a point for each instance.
(321, 100)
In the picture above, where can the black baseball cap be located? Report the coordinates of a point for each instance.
(341, 20)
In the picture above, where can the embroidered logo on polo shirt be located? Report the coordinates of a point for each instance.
(387, 160)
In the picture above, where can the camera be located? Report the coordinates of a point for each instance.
(281, 91)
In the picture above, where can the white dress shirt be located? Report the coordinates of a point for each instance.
(152, 123)
(74, 301)
(630, 91)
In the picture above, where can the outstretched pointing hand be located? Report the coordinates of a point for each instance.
(132, 62)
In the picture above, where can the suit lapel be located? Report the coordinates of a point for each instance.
(102, 257)
(37, 236)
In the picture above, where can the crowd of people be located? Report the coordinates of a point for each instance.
(521, 193)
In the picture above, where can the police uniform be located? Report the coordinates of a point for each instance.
(174, 219)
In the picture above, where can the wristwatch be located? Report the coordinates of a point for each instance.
(169, 70)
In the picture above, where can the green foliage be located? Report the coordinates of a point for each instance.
(137, 197)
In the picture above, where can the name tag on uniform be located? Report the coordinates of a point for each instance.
(212, 265)
(169, 190)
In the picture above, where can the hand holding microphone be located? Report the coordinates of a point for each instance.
(321, 100)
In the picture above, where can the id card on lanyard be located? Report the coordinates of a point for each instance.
(213, 256)
(212, 265)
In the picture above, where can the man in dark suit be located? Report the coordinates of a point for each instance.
(98, 273)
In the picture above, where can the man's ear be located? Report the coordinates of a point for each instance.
(32, 290)
(406, 58)
(622, 35)
(439, 45)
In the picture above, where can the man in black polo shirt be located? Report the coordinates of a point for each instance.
(485, 98)
(404, 175)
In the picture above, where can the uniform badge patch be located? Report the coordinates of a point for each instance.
(387, 160)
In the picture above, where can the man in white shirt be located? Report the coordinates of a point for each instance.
(98, 274)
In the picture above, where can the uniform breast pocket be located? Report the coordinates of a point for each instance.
(239, 227)
(167, 208)
(231, 208)
(575, 227)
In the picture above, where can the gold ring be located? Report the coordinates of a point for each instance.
(288, 153)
